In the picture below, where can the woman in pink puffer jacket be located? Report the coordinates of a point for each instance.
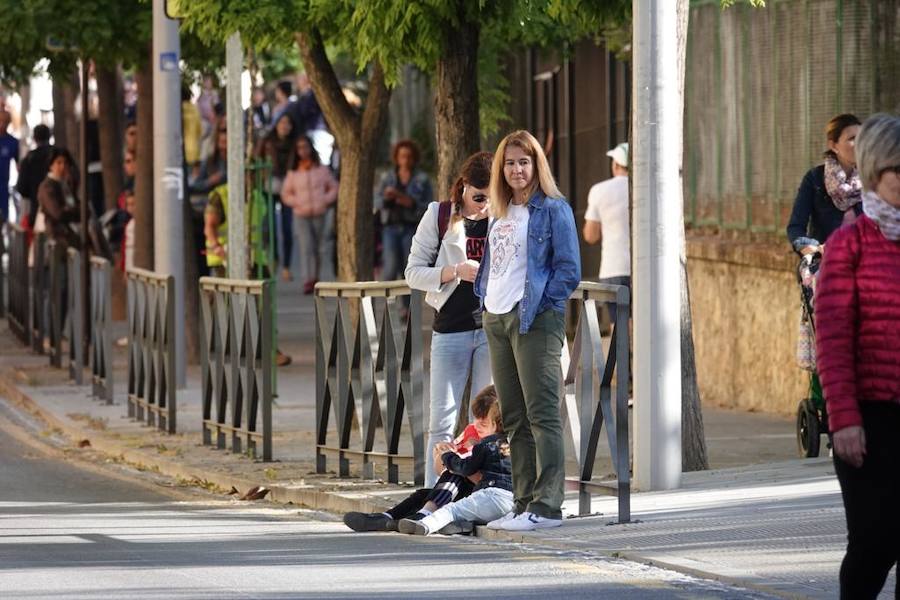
(309, 190)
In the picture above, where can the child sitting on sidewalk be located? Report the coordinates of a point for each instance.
(449, 487)
(493, 495)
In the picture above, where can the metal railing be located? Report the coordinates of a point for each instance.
(101, 330)
(370, 371)
(236, 358)
(37, 315)
(55, 291)
(75, 321)
(151, 349)
(588, 402)
(18, 313)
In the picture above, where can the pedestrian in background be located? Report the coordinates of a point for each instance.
(404, 194)
(278, 147)
(444, 258)
(857, 314)
(32, 171)
(9, 152)
(531, 266)
(310, 189)
(830, 194)
(606, 219)
(192, 128)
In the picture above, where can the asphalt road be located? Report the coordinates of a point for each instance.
(74, 530)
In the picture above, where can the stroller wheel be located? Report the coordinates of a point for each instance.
(808, 431)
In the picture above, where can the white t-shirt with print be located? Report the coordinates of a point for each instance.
(508, 240)
(608, 205)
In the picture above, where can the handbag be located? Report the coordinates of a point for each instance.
(806, 345)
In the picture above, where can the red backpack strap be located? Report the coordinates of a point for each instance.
(444, 209)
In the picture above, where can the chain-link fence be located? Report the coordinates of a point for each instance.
(760, 86)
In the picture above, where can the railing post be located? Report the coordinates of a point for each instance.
(101, 335)
(75, 328)
(56, 299)
(18, 313)
(36, 327)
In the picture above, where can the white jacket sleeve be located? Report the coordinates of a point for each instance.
(420, 274)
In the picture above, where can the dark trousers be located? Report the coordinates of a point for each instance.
(872, 503)
(448, 488)
(283, 254)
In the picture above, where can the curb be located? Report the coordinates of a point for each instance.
(524, 538)
(316, 499)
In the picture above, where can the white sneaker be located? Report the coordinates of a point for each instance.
(498, 523)
(528, 521)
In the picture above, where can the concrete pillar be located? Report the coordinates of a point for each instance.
(656, 182)
(238, 241)
(168, 175)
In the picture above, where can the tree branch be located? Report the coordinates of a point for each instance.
(343, 120)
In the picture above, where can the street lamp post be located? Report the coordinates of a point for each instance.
(657, 222)
(168, 169)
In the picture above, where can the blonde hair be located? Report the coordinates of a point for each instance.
(500, 192)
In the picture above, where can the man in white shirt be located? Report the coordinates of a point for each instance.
(606, 220)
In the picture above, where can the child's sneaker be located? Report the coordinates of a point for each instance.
(497, 523)
(358, 521)
(528, 521)
(458, 528)
(412, 527)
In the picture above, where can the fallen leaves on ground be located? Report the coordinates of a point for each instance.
(255, 493)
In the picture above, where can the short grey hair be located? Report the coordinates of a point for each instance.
(877, 148)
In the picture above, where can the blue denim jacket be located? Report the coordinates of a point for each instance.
(554, 259)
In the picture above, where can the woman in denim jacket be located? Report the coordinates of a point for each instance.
(531, 266)
(443, 261)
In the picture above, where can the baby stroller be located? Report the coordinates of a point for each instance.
(812, 420)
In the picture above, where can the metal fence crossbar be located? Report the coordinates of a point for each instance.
(74, 323)
(18, 313)
(588, 395)
(369, 371)
(236, 364)
(151, 351)
(101, 330)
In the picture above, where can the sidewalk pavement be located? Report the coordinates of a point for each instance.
(761, 519)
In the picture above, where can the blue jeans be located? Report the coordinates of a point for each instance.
(483, 505)
(453, 357)
(396, 241)
(619, 280)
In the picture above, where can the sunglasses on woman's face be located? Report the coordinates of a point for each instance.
(895, 170)
(480, 198)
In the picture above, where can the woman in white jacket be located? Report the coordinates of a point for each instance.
(443, 261)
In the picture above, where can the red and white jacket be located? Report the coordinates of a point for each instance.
(858, 321)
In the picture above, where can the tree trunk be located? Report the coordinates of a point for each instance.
(693, 441)
(457, 126)
(143, 180)
(109, 120)
(357, 136)
(71, 96)
(65, 127)
(59, 114)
